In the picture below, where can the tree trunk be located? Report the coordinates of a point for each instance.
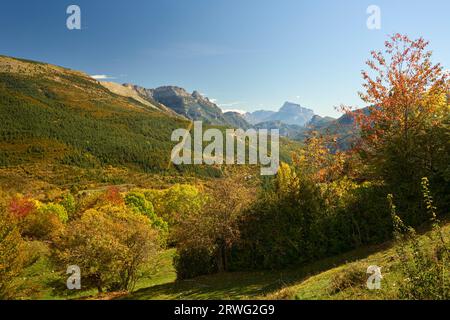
(221, 258)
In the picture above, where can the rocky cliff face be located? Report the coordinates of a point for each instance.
(294, 114)
(193, 105)
(286, 130)
(238, 119)
(319, 122)
(290, 113)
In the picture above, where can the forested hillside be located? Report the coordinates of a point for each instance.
(43, 107)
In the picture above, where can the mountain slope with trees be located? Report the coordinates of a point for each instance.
(52, 106)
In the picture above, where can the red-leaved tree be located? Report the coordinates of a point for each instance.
(20, 206)
(406, 94)
(404, 129)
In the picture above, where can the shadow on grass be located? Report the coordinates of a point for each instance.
(246, 285)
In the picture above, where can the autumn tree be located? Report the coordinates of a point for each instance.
(317, 160)
(404, 129)
(113, 196)
(20, 206)
(137, 202)
(177, 202)
(204, 238)
(406, 91)
(110, 244)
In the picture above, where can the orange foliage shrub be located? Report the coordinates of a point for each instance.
(20, 206)
(113, 196)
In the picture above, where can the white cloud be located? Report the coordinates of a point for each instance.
(101, 77)
(210, 99)
(229, 107)
(235, 110)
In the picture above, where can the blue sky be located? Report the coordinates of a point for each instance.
(245, 54)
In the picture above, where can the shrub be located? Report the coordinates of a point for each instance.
(21, 206)
(41, 225)
(56, 209)
(86, 201)
(425, 270)
(137, 202)
(44, 222)
(113, 196)
(109, 245)
(193, 262)
(68, 202)
(177, 202)
(348, 278)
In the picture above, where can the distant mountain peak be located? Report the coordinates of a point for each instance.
(170, 90)
(290, 113)
(294, 107)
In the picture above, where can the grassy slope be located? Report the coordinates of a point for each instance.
(314, 281)
(320, 286)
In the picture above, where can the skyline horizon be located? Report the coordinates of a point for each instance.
(222, 107)
(103, 78)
